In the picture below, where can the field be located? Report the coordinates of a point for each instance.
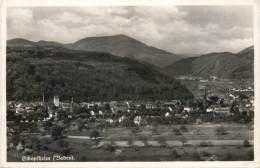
(150, 143)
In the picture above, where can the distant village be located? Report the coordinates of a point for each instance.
(213, 105)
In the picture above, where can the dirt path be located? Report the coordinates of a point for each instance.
(171, 142)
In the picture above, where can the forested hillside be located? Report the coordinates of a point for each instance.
(87, 76)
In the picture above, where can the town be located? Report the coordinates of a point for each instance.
(216, 101)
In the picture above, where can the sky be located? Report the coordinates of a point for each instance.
(177, 29)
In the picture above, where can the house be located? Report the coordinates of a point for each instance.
(232, 96)
(248, 104)
(91, 105)
(100, 112)
(150, 106)
(92, 113)
(56, 101)
(84, 104)
(112, 103)
(213, 78)
(98, 104)
(120, 107)
(210, 108)
(167, 114)
(222, 110)
(109, 120)
(204, 80)
(169, 104)
(112, 110)
(104, 104)
(188, 109)
(138, 120)
(121, 119)
(19, 110)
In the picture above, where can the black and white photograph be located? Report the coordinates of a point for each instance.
(130, 83)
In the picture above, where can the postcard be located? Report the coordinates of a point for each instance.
(130, 84)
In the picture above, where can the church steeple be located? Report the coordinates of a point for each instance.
(71, 105)
(204, 100)
(42, 97)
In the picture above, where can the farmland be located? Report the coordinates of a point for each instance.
(152, 143)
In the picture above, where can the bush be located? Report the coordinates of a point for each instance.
(56, 132)
(204, 153)
(65, 151)
(162, 141)
(195, 156)
(250, 155)
(94, 134)
(205, 143)
(136, 129)
(183, 140)
(130, 142)
(97, 141)
(177, 131)
(61, 143)
(144, 140)
(155, 131)
(221, 130)
(27, 145)
(109, 147)
(183, 128)
(83, 158)
(28, 151)
(246, 143)
(228, 157)
(175, 154)
(45, 148)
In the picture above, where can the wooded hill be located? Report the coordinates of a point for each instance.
(86, 76)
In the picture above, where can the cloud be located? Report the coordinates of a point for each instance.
(178, 29)
(19, 19)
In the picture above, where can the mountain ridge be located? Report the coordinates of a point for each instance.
(119, 45)
(222, 65)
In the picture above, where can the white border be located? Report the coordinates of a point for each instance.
(26, 3)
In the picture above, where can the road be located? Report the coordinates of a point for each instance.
(171, 142)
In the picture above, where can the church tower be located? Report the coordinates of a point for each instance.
(204, 100)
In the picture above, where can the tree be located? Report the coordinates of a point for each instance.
(97, 141)
(246, 143)
(56, 132)
(175, 154)
(136, 129)
(80, 125)
(221, 130)
(94, 134)
(61, 143)
(162, 141)
(144, 140)
(176, 131)
(183, 128)
(130, 142)
(109, 147)
(183, 140)
(155, 131)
